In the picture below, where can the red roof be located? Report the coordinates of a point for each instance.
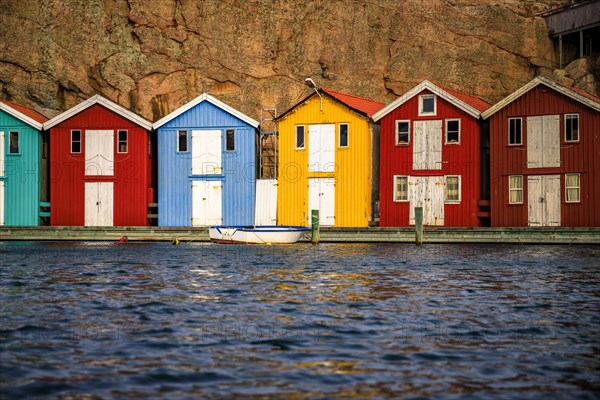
(30, 112)
(473, 101)
(586, 94)
(360, 104)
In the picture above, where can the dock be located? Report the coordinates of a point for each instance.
(523, 235)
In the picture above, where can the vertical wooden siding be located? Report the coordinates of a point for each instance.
(352, 165)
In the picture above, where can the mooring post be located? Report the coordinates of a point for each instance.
(419, 225)
(314, 219)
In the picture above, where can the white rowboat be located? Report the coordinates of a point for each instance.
(256, 234)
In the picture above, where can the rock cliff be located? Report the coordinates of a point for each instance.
(152, 56)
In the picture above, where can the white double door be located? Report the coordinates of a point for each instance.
(99, 204)
(543, 200)
(207, 152)
(321, 196)
(207, 208)
(99, 152)
(321, 148)
(1, 175)
(427, 192)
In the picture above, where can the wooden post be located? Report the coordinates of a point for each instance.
(419, 225)
(314, 219)
(560, 46)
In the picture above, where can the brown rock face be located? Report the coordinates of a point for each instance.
(152, 56)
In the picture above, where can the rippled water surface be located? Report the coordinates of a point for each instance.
(326, 321)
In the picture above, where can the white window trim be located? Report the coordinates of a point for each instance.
(515, 189)
(578, 128)
(396, 132)
(187, 140)
(508, 137)
(395, 189)
(226, 149)
(296, 137)
(459, 189)
(573, 187)
(80, 141)
(446, 130)
(340, 134)
(421, 112)
(126, 141)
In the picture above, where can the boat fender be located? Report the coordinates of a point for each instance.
(175, 242)
(123, 239)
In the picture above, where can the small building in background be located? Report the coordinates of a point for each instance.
(430, 157)
(328, 146)
(101, 166)
(545, 157)
(22, 151)
(206, 165)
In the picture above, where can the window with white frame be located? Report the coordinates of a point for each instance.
(514, 131)
(230, 140)
(76, 141)
(122, 141)
(427, 104)
(572, 128)
(343, 135)
(402, 132)
(400, 188)
(515, 189)
(182, 141)
(452, 189)
(13, 142)
(572, 188)
(453, 131)
(299, 136)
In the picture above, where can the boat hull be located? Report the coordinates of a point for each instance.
(256, 234)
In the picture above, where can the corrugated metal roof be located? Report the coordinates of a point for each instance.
(23, 111)
(361, 104)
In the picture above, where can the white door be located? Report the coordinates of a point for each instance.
(1, 153)
(207, 152)
(427, 144)
(1, 203)
(99, 206)
(427, 192)
(543, 200)
(321, 196)
(207, 203)
(99, 152)
(321, 148)
(543, 141)
(265, 212)
(1, 182)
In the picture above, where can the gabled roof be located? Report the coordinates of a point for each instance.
(576, 94)
(358, 104)
(469, 104)
(216, 102)
(97, 99)
(25, 114)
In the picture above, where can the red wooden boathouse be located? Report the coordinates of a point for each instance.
(100, 166)
(545, 157)
(430, 157)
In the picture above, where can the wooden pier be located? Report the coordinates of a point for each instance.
(550, 235)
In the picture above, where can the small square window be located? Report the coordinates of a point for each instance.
(299, 136)
(402, 132)
(514, 131)
(76, 141)
(230, 140)
(427, 104)
(122, 141)
(343, 135)
(400, 188)
(515, 189)
(182, 141)
(572, 128)
(572, 188)
(453, 189)
(13, 143)
(453, 131)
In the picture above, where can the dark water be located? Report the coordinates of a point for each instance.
(334, 320)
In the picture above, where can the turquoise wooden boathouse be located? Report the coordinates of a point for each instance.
(206, 165)
(20, 160)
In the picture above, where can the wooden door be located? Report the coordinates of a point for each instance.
(1, 175)
(321, 148)
(321, 196)
(427, 144)
(1, 203)
(99, 206)
(543, 200)
(543, 141)
(207, 203)
(207, 152)
(265, 211)
(427, 192)
(99, 152)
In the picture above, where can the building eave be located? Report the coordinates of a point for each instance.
(20, 116)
